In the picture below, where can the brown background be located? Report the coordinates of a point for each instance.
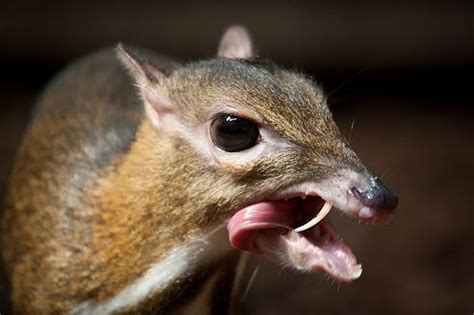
(401, 70)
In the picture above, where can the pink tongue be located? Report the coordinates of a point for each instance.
(243, 226)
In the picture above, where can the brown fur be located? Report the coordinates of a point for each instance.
(82, 223)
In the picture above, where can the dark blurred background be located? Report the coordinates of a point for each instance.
(399, 72)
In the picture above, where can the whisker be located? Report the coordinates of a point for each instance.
(352, 128)
(280, 272)
(346, 82)
(249, 284)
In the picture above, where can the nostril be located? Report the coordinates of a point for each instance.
(356, 192)
(377, 197)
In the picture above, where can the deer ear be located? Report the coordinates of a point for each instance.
(236, 43)
(149, 80)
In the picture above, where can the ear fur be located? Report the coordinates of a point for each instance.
(140, 68)
(236, 43)
(149, 80)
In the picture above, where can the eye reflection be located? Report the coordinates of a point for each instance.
(232, 133)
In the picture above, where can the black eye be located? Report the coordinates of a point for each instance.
(232, 133)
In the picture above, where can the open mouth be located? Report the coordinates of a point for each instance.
(295, 228)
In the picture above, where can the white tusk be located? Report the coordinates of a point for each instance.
(321, 215)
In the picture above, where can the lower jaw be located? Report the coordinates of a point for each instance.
(316, 249)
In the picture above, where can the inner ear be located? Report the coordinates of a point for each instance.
(150, 82)
(236, 43)
(142, 69)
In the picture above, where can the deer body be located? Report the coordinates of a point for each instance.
(118, 199)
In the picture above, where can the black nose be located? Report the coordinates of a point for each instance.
(377, 197)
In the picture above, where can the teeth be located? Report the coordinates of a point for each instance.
(321, 215)
(357, 271)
